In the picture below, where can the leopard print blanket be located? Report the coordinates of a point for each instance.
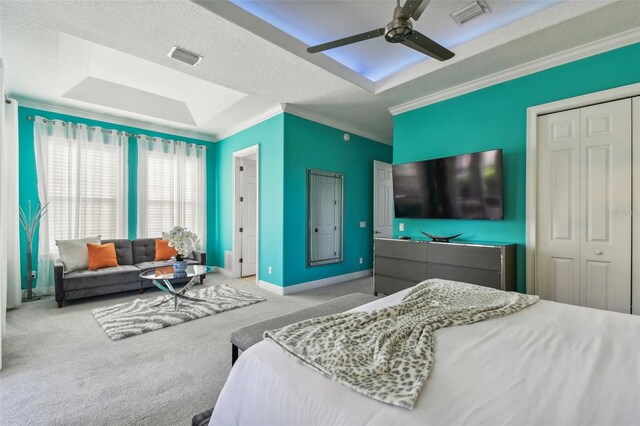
(387, 354)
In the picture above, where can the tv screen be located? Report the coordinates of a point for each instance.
(466, 186)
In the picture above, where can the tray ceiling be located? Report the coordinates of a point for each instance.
(109, 58)
(316, 22)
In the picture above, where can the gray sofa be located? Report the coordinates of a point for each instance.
(134, 256)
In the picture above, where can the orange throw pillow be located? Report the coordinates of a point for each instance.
(102, 256)
(163, 251)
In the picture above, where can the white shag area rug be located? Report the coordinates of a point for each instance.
(140, 316)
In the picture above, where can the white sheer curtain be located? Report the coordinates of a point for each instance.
(172, 187)
(10, 276)
(10, 205)
(83, 174)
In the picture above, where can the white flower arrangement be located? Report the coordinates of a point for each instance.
(183, 240)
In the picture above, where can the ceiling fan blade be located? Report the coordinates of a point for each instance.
(424, 44)
(413, 9)
(346, 40)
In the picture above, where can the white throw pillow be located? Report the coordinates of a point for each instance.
(74, 253)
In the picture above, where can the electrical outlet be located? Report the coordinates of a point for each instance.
(401, 226)
(361, 261)
(270, 270)
(363, 224)
(33, 274)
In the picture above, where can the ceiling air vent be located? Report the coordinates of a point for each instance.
(185, 56)
(470, 12)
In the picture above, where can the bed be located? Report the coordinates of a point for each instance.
(550, 363)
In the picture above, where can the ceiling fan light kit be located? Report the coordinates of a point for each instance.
(399, 30)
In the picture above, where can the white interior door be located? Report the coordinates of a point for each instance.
(382, 199)
(584, 206)
(605, 179)
(558, 259)
(248, 217)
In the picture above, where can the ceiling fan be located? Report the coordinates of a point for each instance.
(399, 30)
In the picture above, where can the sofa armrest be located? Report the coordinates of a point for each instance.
(58, 274)
(200, 257)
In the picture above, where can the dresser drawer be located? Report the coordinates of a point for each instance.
(407, 250)
(387, 285)
(470, 256)
(405, 269)
(484, 277)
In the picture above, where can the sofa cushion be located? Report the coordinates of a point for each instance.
(102, 256)
(144, 266)
(164, 251)
(144, 250)
(123, 251)
(106, 276)
(74, 254)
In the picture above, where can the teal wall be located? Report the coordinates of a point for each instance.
(495, 117)
(309, 145)
(28, 185)
(270, 136)
(288, 146)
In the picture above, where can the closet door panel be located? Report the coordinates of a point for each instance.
(606, 206)
(558, 257)
(598, 286)
(635, 129)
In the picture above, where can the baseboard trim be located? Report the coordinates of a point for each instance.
(273, 288)
(222, 271)
(309, 285)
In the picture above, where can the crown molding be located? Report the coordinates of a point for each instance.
(263, 116)
(122, 121)
(336, 124)
(600, 46)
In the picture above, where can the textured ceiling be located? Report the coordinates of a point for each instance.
(239, 60)
(315, 22)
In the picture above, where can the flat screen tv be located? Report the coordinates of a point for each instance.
(467, 186)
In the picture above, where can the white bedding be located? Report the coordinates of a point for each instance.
(548, 364)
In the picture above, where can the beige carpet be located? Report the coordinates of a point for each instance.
(60, 368)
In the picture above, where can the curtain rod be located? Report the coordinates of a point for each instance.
(131, 135)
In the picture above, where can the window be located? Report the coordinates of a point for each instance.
(163, 202)
(83, 199)
(171, 187)
(84, 180)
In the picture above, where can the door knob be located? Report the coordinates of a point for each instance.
(598, 252)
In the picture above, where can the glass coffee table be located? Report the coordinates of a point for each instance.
(163, 278)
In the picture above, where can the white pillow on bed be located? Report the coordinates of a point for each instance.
(74, 253)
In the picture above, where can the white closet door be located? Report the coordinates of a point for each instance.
(558, 260)
(584, 206)
(635, 269)
(605, 178)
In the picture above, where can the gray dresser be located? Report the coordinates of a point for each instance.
(401, 264)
